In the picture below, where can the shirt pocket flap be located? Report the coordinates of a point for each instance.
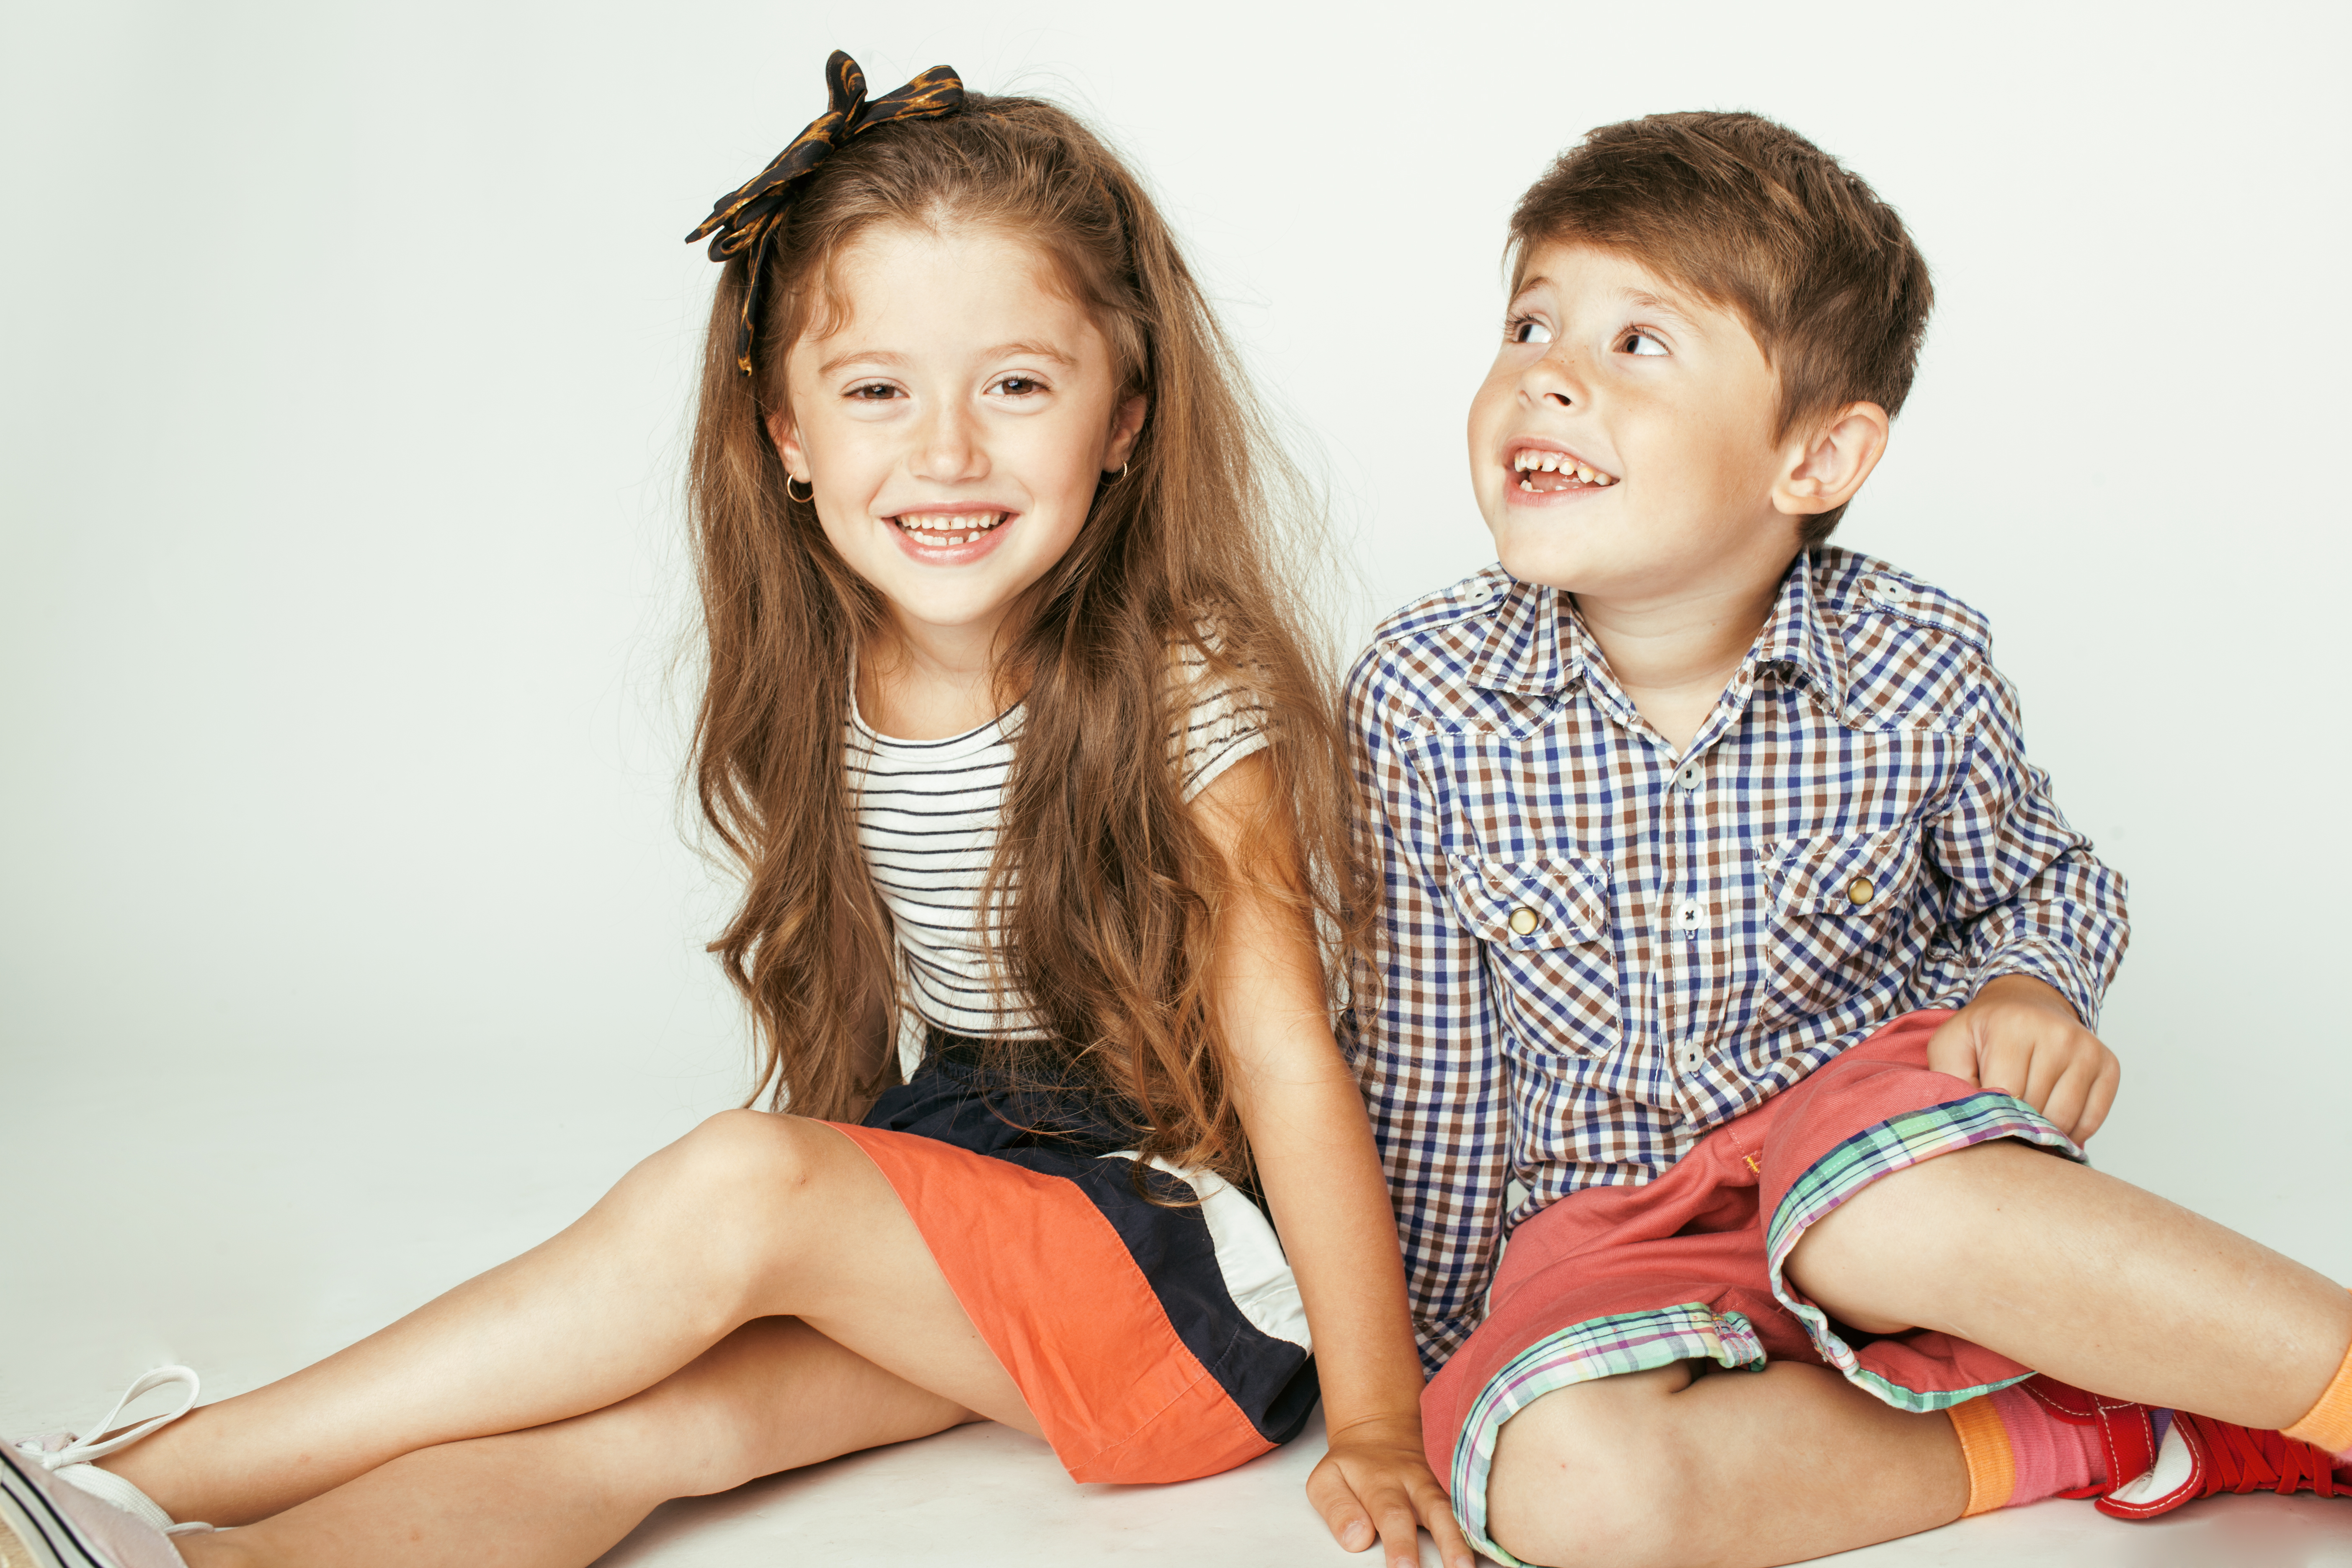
(1531, 904)
(1841, 873)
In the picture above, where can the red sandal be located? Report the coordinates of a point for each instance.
(2177, 1460)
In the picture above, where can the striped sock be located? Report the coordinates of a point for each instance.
(2328, 1425)
(2018, 1452)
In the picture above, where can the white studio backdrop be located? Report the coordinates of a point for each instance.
(349, 939)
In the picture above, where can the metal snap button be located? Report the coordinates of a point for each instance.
(1861, 890)
(1523, 920)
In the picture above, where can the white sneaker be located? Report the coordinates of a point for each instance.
(58, 1509)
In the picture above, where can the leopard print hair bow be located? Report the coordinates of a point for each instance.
(746, 218)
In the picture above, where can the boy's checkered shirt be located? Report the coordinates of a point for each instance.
(1592, 951)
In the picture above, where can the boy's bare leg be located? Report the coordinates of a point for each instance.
(2084, 1277)
(1726, 1470)
(2054, 1265)
(750, 1215)
(774, 1395)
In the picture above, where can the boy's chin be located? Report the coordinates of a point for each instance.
(1552, 563)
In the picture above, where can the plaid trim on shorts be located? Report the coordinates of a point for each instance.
(1689, 1268)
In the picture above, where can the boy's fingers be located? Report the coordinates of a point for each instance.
(2101, 1100)
(2048, 1065)
(2068, 1099)
(1952, 1049)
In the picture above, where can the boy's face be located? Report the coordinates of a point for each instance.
(1621, 446)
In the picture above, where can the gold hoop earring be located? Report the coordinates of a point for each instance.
(1117, 477)
(803, 500)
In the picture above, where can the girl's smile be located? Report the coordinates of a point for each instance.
(954, 417)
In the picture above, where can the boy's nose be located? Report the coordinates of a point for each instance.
(1553, 380)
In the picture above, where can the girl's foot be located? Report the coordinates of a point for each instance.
(58, 1509)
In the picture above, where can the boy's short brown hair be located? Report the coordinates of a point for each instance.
(1755, 219)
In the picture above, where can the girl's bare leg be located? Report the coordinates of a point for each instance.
(750, 1215)
(773, 1395)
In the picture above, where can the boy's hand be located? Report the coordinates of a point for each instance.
(1375, 1485)
(2022, 1038)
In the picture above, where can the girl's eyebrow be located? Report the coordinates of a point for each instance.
(1002, 351)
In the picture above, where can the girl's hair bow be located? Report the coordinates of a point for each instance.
(746, 218)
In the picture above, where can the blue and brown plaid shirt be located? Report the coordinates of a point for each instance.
(1593, 950)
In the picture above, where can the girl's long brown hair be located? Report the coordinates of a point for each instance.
(1121, 895)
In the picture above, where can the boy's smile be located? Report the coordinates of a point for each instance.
(1621, 445)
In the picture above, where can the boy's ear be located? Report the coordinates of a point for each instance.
(1125, 427)
(1823, 473)
(787, 434)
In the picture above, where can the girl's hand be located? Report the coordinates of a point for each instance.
(1375, 1485)
(2022, 1038)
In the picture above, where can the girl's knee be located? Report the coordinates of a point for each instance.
(742, 1159)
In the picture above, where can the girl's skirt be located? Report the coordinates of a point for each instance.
(1153, 1341)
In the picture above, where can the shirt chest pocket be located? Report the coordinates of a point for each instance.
(1841, 903)
(1545, 927)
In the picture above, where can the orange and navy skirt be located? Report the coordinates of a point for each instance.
(1154, 1341)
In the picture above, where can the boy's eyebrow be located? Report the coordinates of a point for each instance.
(1002, 351)
(1659, 305)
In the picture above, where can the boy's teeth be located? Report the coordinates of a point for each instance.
(1531, 461)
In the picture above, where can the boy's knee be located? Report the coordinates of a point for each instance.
(1592, 1474)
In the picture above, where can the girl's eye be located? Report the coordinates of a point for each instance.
(1019, 385)
(1642, 344)
(873, 391)
(1526, 330)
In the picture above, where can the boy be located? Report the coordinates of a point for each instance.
(1724, 914)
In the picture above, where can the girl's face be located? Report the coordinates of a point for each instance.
(953, 425)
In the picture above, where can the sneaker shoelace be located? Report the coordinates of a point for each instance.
(2245, 1460)
(74, 1461)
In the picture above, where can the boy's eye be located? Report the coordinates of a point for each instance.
(1020, 385)
(1642, 344)
(1526, 330)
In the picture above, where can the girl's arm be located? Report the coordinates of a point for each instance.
(1322, 1178)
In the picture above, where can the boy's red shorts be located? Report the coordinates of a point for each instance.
(1616, 1279)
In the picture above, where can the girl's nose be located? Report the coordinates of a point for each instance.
(949, 450)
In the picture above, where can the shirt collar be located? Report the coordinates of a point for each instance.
(1536, 644)
(1796, 645)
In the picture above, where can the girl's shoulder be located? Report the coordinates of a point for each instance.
(1219, 715)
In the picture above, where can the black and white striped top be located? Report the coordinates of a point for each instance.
(926, 817)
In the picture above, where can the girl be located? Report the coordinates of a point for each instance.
(1037, 797)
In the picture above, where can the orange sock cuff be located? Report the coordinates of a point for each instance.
(2327, 1425)
(1991, 1461)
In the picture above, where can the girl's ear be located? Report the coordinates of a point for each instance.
(1125, 427)
(787, 434)
(1831, 465)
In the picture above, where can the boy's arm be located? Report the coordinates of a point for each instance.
(2037, 929)
(1420, 1032)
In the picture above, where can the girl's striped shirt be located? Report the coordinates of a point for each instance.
(927, 819)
